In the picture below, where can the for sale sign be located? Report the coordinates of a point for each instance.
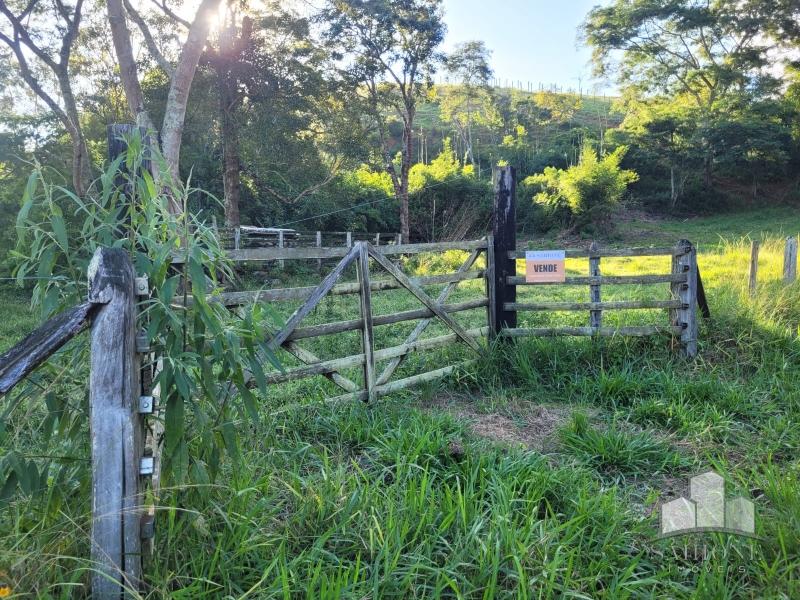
(545, 266)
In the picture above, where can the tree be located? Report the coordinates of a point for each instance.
(233, 41)
(390, 48)
(180, 76)
(41, 37)
(704, 51)
(472, 96)
(588, 191)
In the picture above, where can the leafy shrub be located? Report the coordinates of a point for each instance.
(585, 193)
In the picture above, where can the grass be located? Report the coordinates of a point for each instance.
(402, 499)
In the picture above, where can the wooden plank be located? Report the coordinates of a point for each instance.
(403, 384)
(309, 358)
(491, 309)
(21, 360)
(608, 280)
(790, 260)
(313, 331)
(115, 426)
(424, 298)
(753, 280)
(303, 293)
(316, 296)
(504, 237)
(273, 254)
(595, 306)
(608, 252)
(642, 330)
(389, 370)
(687, 294)
(356, 360)
(367, 333)
(595, 315)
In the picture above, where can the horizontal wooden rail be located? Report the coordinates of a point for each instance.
(607, 280)
(38, 346)
(402, 384)
(356, 324)
(342, 289)
(568, 306)
(611, 252)
(642, 330)
(331, 366)
(272, 253)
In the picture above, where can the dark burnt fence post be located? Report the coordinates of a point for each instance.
(503, 241)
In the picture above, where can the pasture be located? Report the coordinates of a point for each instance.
(535, 473)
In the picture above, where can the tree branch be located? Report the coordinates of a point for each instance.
(148, 38)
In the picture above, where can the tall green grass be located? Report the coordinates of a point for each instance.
(402, 500)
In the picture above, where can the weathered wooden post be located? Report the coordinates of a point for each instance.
(790, 260)
(319, 245)
(349, 239)
(115, 426)
(595, 316)
(503, 241)
(367, 336)
(754, 249)
(281, 262)
(685, 317)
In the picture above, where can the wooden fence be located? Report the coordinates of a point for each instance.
(118, 407)
(789, 263)
(120, 398)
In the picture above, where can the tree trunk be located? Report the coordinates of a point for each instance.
(128, 71)
(175, 113)
(230, 151)
(405, 170)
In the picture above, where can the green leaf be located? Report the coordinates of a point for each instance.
(174, 422)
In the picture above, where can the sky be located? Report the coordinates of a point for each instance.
(531, 40)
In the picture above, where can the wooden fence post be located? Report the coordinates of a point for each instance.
(319, 245)
(790, 260)
(281, 262)
(115, 426)
(686, 315)
(367, 336)
(349, 239)
(504, 240)
(754, 248)
(595, 316)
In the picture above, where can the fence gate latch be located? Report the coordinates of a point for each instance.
(142, 343)
(142, 286)
(146, 405)
(147, 465)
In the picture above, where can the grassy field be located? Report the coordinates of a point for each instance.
(538, 473)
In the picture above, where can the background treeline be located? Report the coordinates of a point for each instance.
(330, 119)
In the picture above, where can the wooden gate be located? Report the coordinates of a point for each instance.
(375, 382)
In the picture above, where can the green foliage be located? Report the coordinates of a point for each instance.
(615, 451)
(587, 192)
(205, 350)
(447, 200)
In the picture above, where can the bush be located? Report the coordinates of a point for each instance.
(585, 194)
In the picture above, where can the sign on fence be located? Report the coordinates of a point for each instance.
(545, 266)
